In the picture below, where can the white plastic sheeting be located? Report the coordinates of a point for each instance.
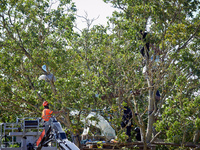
(48, 78)
(102, 124)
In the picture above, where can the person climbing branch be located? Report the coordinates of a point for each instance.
(142, 51)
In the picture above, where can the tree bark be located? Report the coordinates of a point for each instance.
(196, 136)
(151, 116)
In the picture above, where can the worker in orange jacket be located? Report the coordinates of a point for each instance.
(46, 113)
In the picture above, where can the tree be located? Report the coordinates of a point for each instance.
(173, 30)
(34, 34)
(101, 67)
(116, 63)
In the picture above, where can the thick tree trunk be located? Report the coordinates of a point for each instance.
(143, 137)
(76, 140)
(196, 136)
(150, 126)
(68, 124)
(151, 117)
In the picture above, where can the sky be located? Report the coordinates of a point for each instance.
(93, 8)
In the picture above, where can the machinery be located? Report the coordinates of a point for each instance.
(29, 134)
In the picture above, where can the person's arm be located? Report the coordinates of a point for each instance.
(58, 112)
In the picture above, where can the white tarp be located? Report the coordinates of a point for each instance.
(49, 77)
(102, 124)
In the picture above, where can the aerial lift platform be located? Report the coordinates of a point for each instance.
(33, 134)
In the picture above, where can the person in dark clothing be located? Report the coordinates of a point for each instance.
(157, 96)
(157, 99)
(138, 136)
(126, 121)
(142, 51)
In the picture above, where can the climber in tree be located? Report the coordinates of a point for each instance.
(142, 51)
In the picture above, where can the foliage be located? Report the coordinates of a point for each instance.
(101, 68)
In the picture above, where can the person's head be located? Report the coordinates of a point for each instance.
(141, 32)
(137, 130)
(46, 104)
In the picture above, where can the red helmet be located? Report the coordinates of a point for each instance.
(45, 103)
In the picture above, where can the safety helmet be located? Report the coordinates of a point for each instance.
(45, 103)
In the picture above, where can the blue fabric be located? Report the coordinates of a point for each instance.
(158, 93)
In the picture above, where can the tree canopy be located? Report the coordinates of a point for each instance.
(102, 68)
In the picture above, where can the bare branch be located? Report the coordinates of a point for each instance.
(154, 138)
(186, 43)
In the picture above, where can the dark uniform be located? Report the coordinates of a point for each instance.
(126, 121)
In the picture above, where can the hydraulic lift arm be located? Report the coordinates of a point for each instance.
(53, 132)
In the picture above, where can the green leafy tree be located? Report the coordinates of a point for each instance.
(173, 36)
(33, 34)
(116, 64)
(101, 67)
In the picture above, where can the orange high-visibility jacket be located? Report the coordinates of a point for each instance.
(46, 114)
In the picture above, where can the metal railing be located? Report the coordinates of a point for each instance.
(7, 130)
